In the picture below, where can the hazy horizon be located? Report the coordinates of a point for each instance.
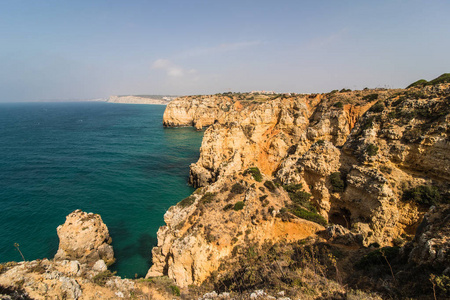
(93, 49)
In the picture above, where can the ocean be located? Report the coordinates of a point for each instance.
(115, 160)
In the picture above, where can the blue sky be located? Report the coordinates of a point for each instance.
(93, 49)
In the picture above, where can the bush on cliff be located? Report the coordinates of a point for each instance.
(187, 201)
(310, 216)
(239, 205)
(207, 198)
(370, 97)
(338, 104)
(372, 150)
(175, 290)
(377, 107)
(423, 194)
(337, 182)
(237, 188)
(444, 78)
(296, 268)
(299, 197)
(292, 188)
(418, 83)
(102, 277)
(379, 257)
(254, 171)
(270, 185)
(228, 207)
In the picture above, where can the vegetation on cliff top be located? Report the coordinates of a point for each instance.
(444, 78)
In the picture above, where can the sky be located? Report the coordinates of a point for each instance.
(81, 49)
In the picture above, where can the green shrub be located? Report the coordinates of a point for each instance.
(186, 201)
(418, 83)
(270, 185)
(375, 258)
(377, 107)
(399, 101)
(175, 290)
(370, 97)
(337, 183)
(368, 123)
(344, 90)
(444, 78)
(423, 194)
(292, 188)
(207, 198)
(416, 95)
(338, 104)
(300, 196)
(237, 188)
(102, 277)
(228, 207)
(310, 216)
(239, 205)
(39, 268)
(164, 283)
(254, 171)
(372, 150)
(262, 198)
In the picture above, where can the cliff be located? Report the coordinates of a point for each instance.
(144, 99)
(358, 159)
(298, 196)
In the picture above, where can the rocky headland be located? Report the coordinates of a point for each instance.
(356, 170)
(141, 99)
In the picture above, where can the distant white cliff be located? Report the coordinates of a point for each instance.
(142, 99)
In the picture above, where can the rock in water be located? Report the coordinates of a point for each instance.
(84, 237)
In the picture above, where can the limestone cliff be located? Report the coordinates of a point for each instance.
(356, 154)
(144, 99)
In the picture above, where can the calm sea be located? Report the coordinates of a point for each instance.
(112, 159)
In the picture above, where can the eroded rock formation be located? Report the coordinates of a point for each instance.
(78, 270)
(356, 153)
(84, 237)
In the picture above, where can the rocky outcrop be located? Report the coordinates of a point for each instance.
(78, 270)
(247, 132)
(431, 244)
(85, 238)
(64, 279)
(78, 265)
(206, 227)
(356, 153)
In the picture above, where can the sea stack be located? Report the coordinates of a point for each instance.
(84, 237)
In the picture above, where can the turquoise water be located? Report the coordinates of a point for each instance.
(112, 159)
